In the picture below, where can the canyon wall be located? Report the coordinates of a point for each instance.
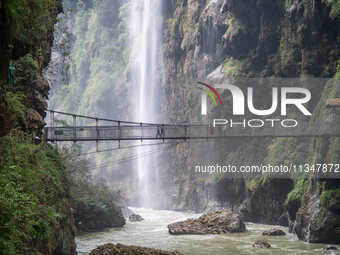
(252, 39)
(36, 215)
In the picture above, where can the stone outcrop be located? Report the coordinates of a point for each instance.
(119, 249)
(317, 224)
(261, 244)
(266, 204)
(23, 105)
(29, 47)
(218, 222)
(331, 250)
(246, 39)
(126, 212)
(135, 218)
(92, 217)
(274, 232)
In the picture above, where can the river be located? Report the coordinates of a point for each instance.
(153, 232)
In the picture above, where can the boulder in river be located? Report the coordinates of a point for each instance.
(135, 217)
(120, 249)
(316, 223)
(331, 250)
(218, 222)
(261, 244)
(274, 232)
(127, 212)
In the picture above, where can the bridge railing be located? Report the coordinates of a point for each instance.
(123, 130)
(102, 133)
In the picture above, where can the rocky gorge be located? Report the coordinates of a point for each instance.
(75, 56)
(216, 40)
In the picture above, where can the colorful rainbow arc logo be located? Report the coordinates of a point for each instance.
(210, 92)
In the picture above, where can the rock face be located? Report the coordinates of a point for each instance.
(265, 204)
(30, 52)
(245, 39)
(119, 249)
(23, 105)
(317, 224)
(261, 244)
(219, 222)
(135, 217)
(90, 217)
(274, 232)
(126, 212)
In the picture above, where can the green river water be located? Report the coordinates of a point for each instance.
(153, 232)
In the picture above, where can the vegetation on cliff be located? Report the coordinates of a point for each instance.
(95, 205)
(261, 39)
(335, 8)
(26, 29)
(36, 216)
(95, 79)
(99, 58)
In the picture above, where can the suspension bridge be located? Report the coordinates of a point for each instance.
(115, 130)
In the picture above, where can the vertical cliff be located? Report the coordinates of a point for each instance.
(257, 39)
(27, 37)
(36, 215)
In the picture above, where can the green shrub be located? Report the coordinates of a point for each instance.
(32, 185)
(16, 109)
(335, 8)
(297, 193)
(234, 26)
(26, 69)
(232, 67)
(331, 199)
(29, 20)
(96, 205)
(288, 150)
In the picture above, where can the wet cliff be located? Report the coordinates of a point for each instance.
(27, 37)
(219, 39)
(36, 215)
(256, 39)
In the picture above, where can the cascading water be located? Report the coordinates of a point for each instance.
(146, 74)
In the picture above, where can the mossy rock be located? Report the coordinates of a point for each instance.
(331, 199)
(119, 249)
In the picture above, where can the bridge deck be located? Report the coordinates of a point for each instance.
(183, 132)
(117, 130)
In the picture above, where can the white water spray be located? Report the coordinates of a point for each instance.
(146, 74)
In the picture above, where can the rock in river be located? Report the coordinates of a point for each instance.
(274, 232)
(331, 250)
(119, 249)
(218, 222)
(261, 244)
(135, 217)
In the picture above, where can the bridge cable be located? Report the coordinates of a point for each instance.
(124, 160)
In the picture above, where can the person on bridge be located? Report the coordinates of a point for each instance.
(160, 132)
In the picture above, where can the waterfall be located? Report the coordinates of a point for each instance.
(104, 52)
(146, 75)
(316, 209)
